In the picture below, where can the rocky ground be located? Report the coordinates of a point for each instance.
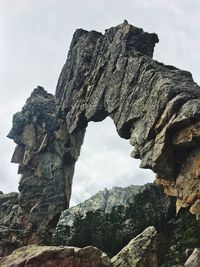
(112, 218)
(139, 252)
(109, 221)
(37, 256)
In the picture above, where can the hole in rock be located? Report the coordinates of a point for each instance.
(105, 161)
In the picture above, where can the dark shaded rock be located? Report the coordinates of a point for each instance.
(9, 220)
(44, 256)
(7, 201)
(111, 218)
(140, 251)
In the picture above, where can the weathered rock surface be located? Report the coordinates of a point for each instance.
(156, 106)
(140, 252)
(10, 228)
(194, 259)
(46, 154)
(111, 218)
(49, 256)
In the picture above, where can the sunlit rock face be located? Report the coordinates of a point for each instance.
(156, 106)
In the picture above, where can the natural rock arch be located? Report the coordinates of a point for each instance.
(156, 106)
(105, 162)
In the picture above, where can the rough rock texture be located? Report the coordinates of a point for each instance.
(111, 218)
(156, 106)
(46, 154)
(194, 259)
(140, 252)
(49, 256)
(9, 211)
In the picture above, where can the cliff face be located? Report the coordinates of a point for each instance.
(111, 218)
(156, 106)
(46, 163)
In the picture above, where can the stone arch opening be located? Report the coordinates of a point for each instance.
(105, 161)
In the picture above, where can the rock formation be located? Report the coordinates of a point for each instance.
(194, 259)
(111, 218)
(10, 229)
(153, 105)
(49, 256)
(46, 154)
(156, 106)
(140, 252)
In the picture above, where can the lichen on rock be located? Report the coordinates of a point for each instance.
(140, 251)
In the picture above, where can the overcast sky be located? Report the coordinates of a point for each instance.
(34, 40)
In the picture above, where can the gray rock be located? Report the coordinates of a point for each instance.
(194, 259)
(9, 211)
(140, 252)
(38, 256)
(111, 218)
(150, 103)
(46, 154)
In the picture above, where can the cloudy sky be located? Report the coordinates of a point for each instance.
(34, 40)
